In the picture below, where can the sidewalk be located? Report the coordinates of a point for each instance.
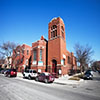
(64, 80)
(19, 74)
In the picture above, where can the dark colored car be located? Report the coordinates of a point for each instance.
(1, 70)
(99, 71)
(45, 77)
(88, 75)
(11, 73)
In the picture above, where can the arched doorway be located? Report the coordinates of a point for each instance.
(54, 66)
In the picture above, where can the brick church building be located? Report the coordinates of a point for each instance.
(47, 55)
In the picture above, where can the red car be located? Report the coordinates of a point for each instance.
(45, 77)
(11, 73)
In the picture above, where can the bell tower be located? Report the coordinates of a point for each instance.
(56, 29)
(56, 44)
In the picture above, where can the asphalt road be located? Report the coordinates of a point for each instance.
(20, 89)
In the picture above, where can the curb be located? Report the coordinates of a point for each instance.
(63, 83)
(68, 82)
(19, 75)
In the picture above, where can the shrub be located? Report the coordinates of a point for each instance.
(74, 78)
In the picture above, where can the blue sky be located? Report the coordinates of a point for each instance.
(24, 21)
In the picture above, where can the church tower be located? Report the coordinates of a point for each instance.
(56, 45)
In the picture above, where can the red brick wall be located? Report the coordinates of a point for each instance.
(57, 48)
(17, 59)
(40, 44)
(54, 51)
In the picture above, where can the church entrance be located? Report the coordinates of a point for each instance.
(54, 66)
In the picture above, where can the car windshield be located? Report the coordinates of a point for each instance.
(30, 71)
(47, 74)
(14, 70)
(42, 74)
(34, 71)
(88, 72)
(9, 70)
(27, 71)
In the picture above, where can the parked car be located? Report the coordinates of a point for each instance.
(6, 71)
(1, 69)
(10, 73)
(99, 71)
(45, 77)
(30, 73)
(88, 75)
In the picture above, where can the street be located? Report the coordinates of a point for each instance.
(24, 89)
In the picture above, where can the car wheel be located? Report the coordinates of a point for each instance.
(15, 75)
(5, 75)
(91, 78)
(29, 77)
(24, 75)
(46, 81)
(37, 79)
(9, 75)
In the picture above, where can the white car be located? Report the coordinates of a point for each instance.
(30, 74)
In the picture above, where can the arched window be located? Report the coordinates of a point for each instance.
(63, 34)
(54, 26)
(34, 55)
(64, 61)
(68, 59)
(51, 34)
(40, 54)
(27, 52)
(53, 31)
(62, 31)
(62, 28)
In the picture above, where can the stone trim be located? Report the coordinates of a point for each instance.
(56, 38)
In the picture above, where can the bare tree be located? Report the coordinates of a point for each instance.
(96, 65)
(1, 59)
(6, 49)
(83, 55)
(16, 52)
